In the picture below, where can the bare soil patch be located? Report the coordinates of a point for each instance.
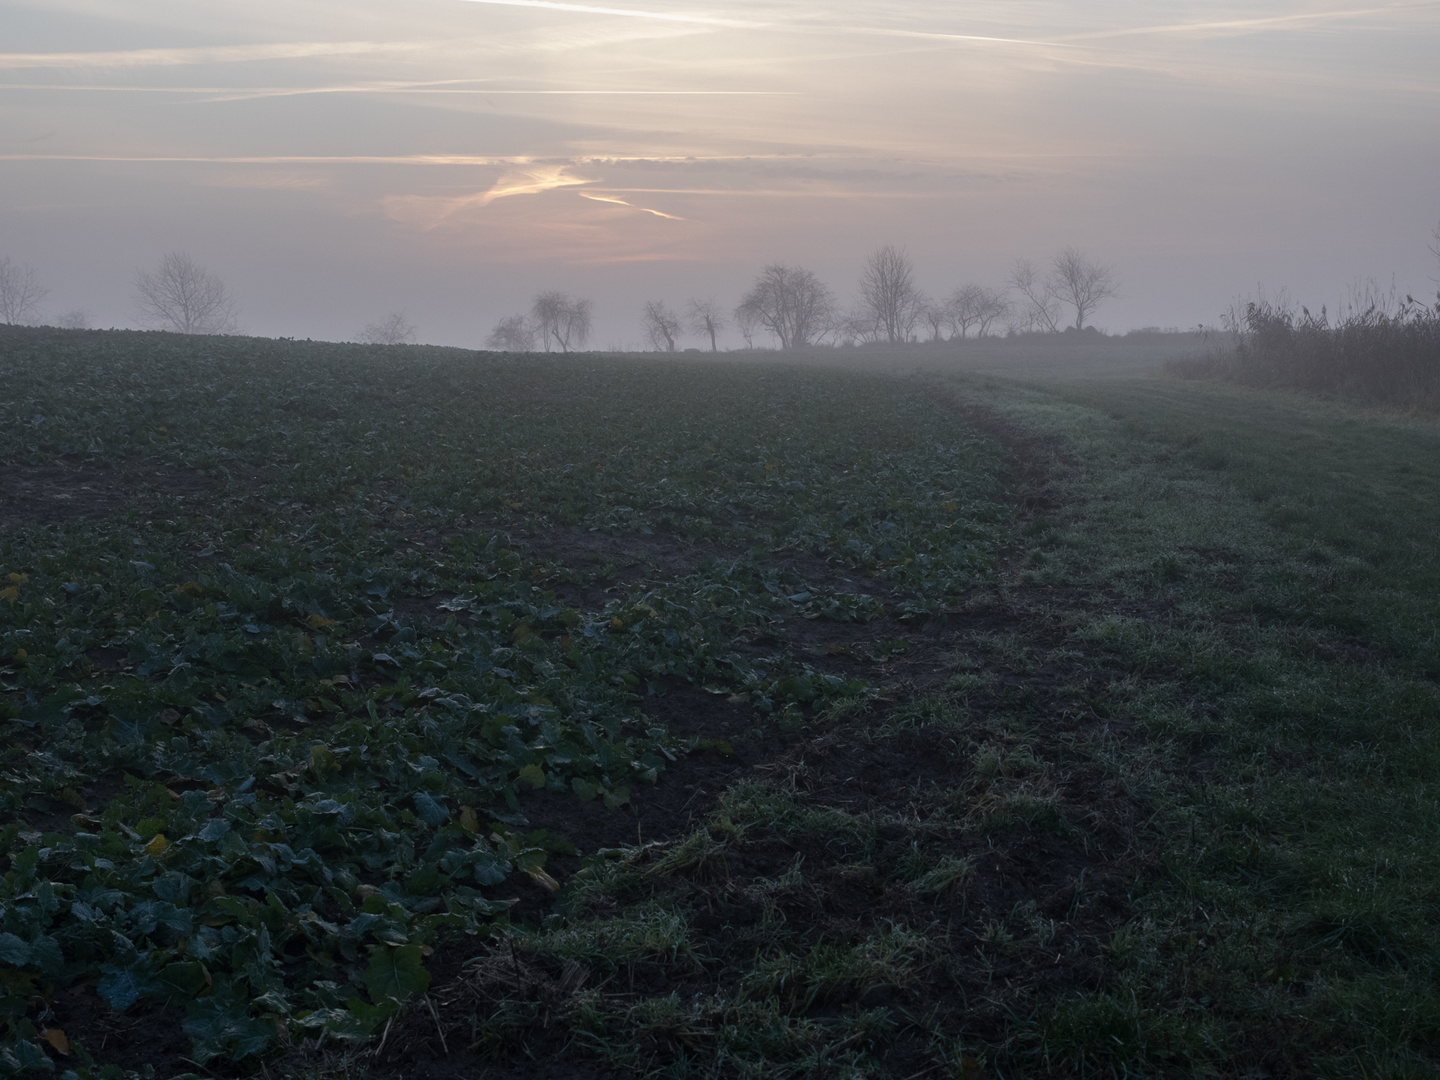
(1048, 836)
(64, 491)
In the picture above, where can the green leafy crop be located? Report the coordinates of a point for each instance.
(311, 622)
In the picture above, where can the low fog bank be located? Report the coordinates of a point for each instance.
(1064, 356)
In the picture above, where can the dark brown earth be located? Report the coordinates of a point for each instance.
(1073, 870)
(68, 490)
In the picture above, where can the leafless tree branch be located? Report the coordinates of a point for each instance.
(888, 294)
(662, 326)
(791, 303)
(563, 319)
(183, 296)
(1081, 283)
(20, 293)
(514, 333)
(394, 329)
(1038, 308)
(706, 319)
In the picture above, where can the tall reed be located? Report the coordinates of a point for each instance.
(1387, 352)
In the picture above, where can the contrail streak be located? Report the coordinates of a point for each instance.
(397, 159)
(1262, 23)
(621, 202)
(628, 13)
(737, 24)
(241, 93)
(202, 55)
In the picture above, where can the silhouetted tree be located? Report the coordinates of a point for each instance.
(706, 319)
(1038, 308)
(563, 319)
(790, 302)
(963, 309)
(1081, 282)
(990, 304)
(746, 321)
(662, 326)
(888, 294)
(934, 314)
(183, 296)
(512, 334)
(859, 326)
(74, 319)
(20, 292)
(394, 329)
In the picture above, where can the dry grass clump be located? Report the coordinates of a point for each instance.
(1387, 352)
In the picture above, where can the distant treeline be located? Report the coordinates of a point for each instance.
(1387, 352)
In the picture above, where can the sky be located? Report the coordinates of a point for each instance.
(334, 162)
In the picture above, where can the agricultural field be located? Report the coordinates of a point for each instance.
(396, 711)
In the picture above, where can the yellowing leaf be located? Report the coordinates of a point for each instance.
(56, 1038)
(533, 775)
(9, 593)
(469, 821)
(157, 846)
(190, 588)
(319, 622)
(322, 759)
(541, 878)
(19, 579)
(16, 981)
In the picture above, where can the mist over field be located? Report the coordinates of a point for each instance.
(787, 541)
(335, 163)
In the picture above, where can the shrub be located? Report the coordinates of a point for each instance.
(1386, 353)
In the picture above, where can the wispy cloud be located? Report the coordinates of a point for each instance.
(791, 26)
(214, 94)
(803, 192)
(1248, 25)
(621, 202)
(628, 13)
(526, 161)
(428, 212)
(278, 159)
(529, 181)
(213, 54)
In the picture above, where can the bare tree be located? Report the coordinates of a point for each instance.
(791, 303)
(183, 296)
(20, 292)
(1435, 245)
(706, 319)
(394, 329)
(562, 318)
(990, 304)
(935, 315)
(662, 326)
(74, 319)
(512, 334)
(1039, 308)
(859, 325)
(1081, 282)
(888, 292)
(963, 309)
(746, 321)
